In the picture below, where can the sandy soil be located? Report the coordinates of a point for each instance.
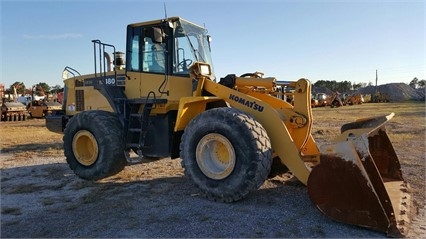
(41, 196)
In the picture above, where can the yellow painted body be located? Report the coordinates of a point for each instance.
(288, 127)
(292, 142)
(85, 148)
(93, 99)
(138, 85)
(40, 111)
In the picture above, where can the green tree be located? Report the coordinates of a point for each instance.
(343, 86)
(55, 89)
(414, 83)
(421, 83)
(334, 86)
(357, 86)
(326, 84)
(42, 88)
(19, 86)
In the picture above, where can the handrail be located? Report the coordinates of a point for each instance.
(71, 71)
(102, 62)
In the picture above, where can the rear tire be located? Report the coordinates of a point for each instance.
(226, 153)
(93, 144)
(335, 103)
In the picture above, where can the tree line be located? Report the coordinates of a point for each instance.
(345, 86)
(39, 89)
(416, 83)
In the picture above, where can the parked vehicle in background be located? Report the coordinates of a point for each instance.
(323, 99)
(354, 99)
(13, 111)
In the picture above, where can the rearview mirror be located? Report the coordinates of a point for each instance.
(158, 35)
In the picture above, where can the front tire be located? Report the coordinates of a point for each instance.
(226, 153)
(93, 144)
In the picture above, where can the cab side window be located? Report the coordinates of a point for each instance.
(154, 59)
(146, 50)
(135, 56)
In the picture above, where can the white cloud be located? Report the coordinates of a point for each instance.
(54, 36)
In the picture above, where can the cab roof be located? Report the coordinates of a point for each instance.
(159, 21)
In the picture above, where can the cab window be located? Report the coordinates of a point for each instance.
(146, 50)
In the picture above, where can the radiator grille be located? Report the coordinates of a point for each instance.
(79, 97)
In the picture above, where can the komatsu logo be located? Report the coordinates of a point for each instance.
(251, 104)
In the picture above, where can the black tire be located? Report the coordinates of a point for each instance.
(237, 133)
(100, 150)
(335, 103)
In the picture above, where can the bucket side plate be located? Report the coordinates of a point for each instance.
(359, 181)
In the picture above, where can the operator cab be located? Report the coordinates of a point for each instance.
(167, 47)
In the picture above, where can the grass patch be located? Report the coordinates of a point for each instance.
(54, 172)
(11, 223)
(81, 184)
(101, 191)
(318, 231)
(204, 218)
(11, 211)
(24, 188)
(71, 207)
(17, 135)
(31, 188)
(47, 201)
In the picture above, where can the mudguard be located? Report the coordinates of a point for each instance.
(56, 122)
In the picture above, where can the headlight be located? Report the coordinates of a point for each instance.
(205, 69)
(200, 69)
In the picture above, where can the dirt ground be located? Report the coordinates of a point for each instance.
(41, 196)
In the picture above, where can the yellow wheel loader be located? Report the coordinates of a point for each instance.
(161, 99)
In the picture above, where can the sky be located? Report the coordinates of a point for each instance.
(320, 40)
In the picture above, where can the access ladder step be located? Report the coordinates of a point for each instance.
(135, 115)
(136, 145)
(135, 130)
(133, 145)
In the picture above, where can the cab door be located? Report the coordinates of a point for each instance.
(147, 61)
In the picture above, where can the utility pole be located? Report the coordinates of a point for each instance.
(376, 80)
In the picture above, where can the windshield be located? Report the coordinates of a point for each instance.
(191, 44)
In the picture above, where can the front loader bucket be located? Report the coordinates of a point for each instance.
(359, 179)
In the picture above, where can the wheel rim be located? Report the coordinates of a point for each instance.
(85, 147)
(215, 156)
